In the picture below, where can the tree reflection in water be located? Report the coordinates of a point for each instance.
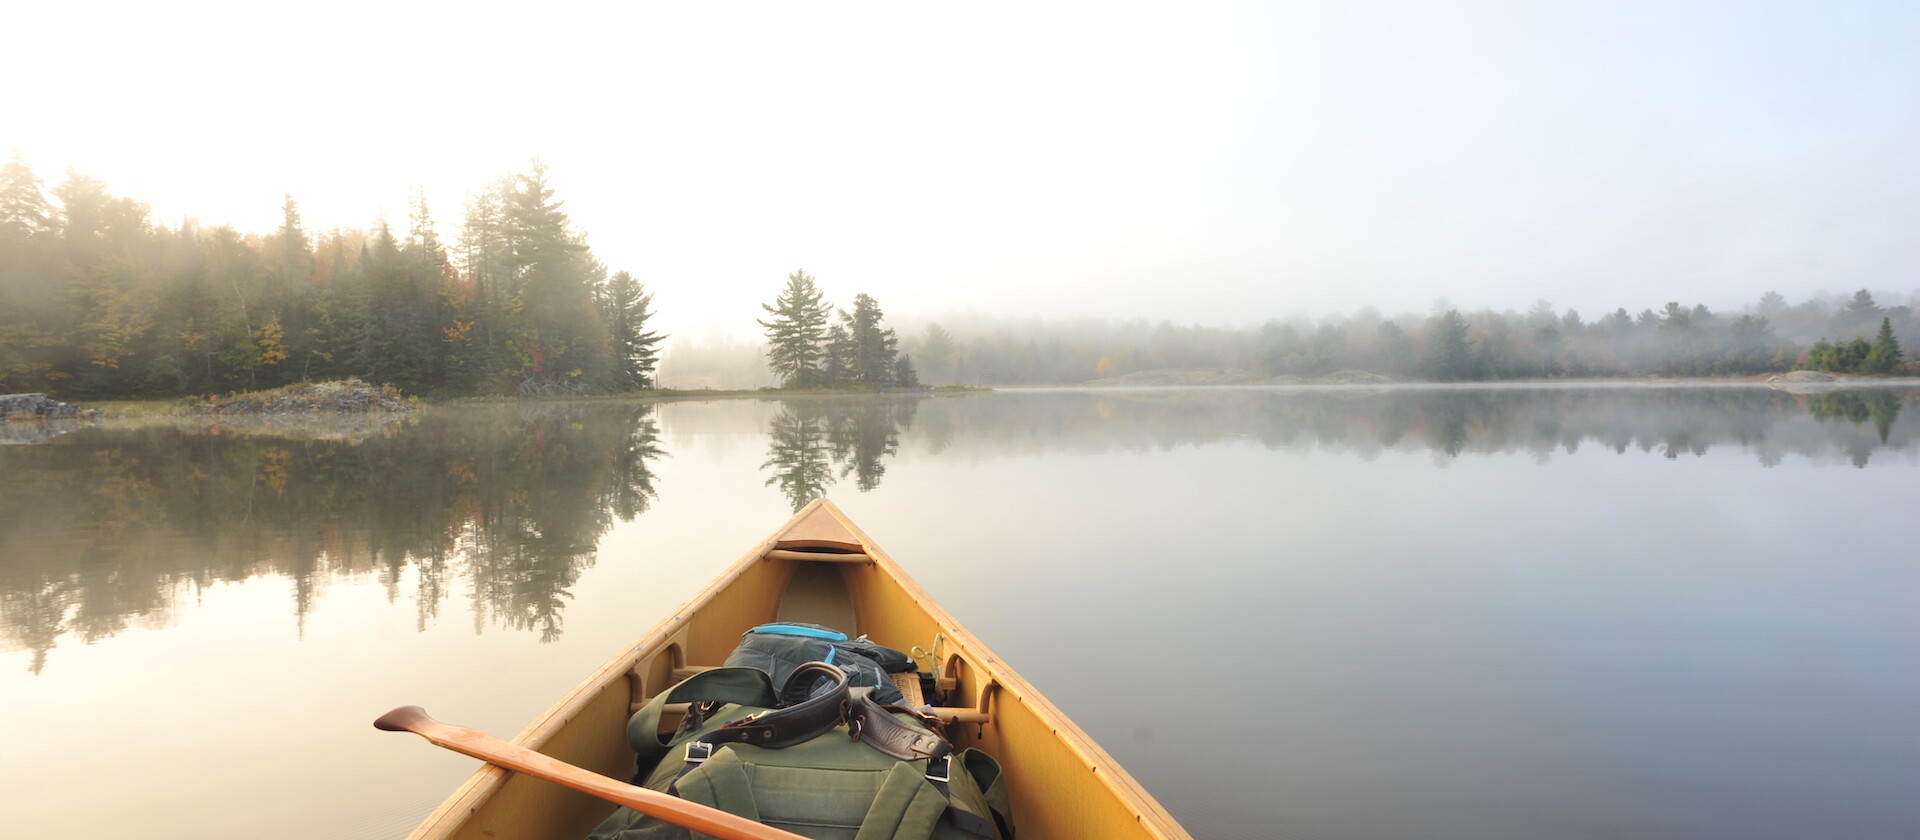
(1448, 423)
(106, 528)
(1881, 408)
(809, 437)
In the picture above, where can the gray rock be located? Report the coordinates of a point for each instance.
(1802, 376)
(36, 407)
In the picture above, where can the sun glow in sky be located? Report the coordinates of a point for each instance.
(1210, 163)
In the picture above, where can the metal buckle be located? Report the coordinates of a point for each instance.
(705, 751)
(940, 771)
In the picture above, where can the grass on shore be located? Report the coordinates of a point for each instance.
(143, 409)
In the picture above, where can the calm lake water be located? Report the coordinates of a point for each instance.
(1425, 613)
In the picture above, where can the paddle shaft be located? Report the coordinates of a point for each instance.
(519, 759)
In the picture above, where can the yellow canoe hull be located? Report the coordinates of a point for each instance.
(817, 567)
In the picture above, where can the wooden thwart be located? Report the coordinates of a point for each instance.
(818, 556)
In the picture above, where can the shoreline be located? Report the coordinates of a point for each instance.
(1596, 382)
(188, 407)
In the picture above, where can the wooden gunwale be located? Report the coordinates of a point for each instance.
(1020, 716)
(1010, 685)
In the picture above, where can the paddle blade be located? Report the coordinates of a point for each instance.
(404, 719)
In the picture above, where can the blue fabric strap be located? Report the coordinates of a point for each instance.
(799, 630)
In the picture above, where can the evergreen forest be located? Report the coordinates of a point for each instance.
(1452, 345)
(99, 301)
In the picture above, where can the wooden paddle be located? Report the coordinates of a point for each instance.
(519, 759)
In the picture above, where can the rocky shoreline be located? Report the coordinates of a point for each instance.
(29, 407)
(37, 418)
(351, 396)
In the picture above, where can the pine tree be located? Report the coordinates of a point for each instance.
(24, 212)
(111, 298)
(420, 231)
(1853, 356)
(1449, 358)
(475, 325)
(1749, 340)
(81, 220)
(903, 373)
(403, 350)
(1884, 355)
(623, 304)
(541, 234)
(874, 346)
(836, 361)
(1859, 312)
(795, 330)
(483, 243)
(296, 253)
(433, 285)
(939, 354)
(559, 338)
(1395, 353)
(351, 316)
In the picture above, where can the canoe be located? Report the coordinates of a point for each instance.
(817, 568)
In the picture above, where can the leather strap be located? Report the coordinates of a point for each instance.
(809, 718)
(806, 713)
(875, 726)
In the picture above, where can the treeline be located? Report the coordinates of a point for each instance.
(1769, 336)
(97, 300)
(1452, 345)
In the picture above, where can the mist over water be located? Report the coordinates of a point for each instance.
(1480, 612)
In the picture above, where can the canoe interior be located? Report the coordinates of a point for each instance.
(818, 568)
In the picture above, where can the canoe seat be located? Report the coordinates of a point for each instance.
(680, 674)
(909, 685)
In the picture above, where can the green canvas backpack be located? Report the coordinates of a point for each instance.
(829, 785)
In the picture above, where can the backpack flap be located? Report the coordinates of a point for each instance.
(986, 781)
(835, 789)
(780, 648)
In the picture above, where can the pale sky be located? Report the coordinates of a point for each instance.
(1203, 163)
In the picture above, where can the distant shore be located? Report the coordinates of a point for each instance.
(1229, 378)
(264, 403)
(355, 397)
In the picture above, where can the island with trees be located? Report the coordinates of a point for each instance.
(854, 350)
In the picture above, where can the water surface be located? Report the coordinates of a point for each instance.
(1473, 613)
